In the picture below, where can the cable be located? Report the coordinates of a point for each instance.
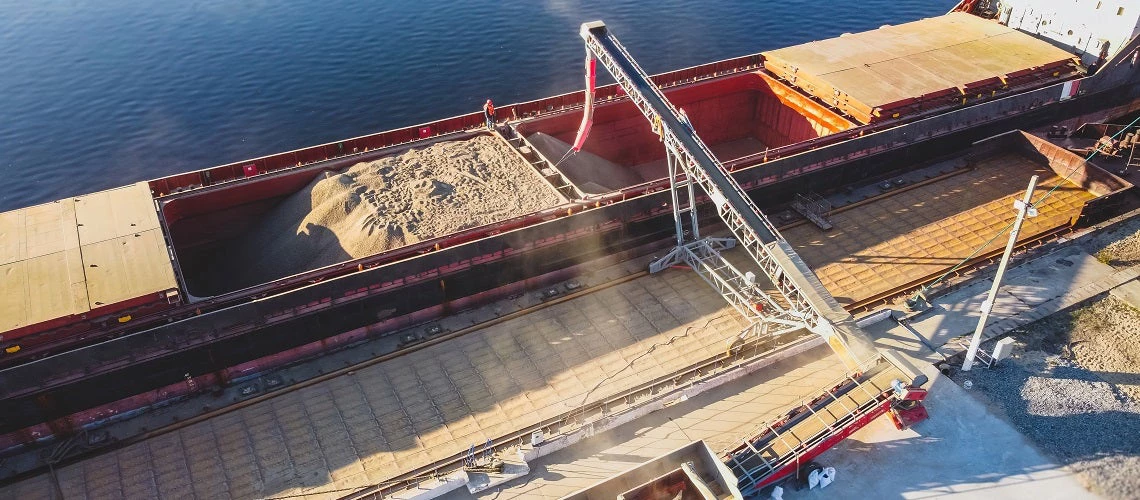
(1065, 178)
(1089, 157)
(570, 152)
(315, 492)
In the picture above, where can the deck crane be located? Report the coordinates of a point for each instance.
(805, 302)
(877, 383)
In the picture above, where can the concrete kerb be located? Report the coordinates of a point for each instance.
(512, 469)
(1064, 301)
(1129, 293)
(474, 481)
(434, 487)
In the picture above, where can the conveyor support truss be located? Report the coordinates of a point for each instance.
(805, 302)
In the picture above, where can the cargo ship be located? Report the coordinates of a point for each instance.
(117, 301)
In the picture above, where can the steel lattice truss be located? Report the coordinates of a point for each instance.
(805, 302)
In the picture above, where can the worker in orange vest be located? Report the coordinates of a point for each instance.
(489, 114)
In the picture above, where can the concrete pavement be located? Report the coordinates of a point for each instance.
(963, 451)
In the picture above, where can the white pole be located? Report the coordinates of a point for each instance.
(1023, 209)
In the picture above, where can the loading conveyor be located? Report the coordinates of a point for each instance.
(877, 382)
(691, 162)
(780, 448)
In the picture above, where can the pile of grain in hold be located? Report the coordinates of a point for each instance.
(590, 172)
(376, 206)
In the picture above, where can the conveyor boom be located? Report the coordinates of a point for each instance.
(803, 291)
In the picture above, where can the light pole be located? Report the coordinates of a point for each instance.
(1024, 209)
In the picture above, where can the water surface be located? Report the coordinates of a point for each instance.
(95, 94)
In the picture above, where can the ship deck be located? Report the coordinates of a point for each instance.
(919, 231)
(419, 408)
(952, 55)
(411, 411)
(77, 255)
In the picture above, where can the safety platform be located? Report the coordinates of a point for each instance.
(930, 63)
(94, 254)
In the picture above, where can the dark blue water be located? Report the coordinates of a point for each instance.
(99, 93)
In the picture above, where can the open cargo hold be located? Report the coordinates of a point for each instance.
(278, 226)
(737, 116)
(100, 254)
(689, 472)
(740, 116)
(909, 234)
(930, 63)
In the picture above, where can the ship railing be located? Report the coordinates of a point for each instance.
(367, 143)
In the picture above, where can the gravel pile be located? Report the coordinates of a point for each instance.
(395, 201)
(1072, 387)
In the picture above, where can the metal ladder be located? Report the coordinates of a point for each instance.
(540, 163)
(774, 447)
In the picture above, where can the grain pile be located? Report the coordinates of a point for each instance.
(388, 203)
(590, 172)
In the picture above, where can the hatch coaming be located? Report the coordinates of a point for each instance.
(211, 228)
(739, 116)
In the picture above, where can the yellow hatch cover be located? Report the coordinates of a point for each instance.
(73, 255)
(893, 65)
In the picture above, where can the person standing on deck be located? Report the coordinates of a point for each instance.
(489, 114)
